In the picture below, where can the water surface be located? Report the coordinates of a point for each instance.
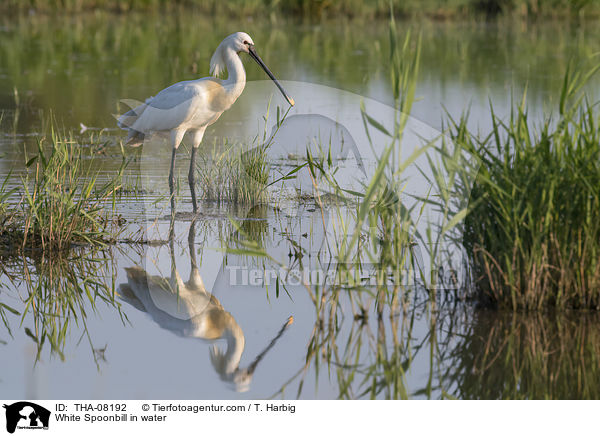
(152, 343)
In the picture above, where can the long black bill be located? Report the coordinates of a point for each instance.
(259, 61)
(254, 364)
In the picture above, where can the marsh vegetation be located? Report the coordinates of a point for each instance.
(532, 227)
(517, 193)
(60, 202)
(316, 9)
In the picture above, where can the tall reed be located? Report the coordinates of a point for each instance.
(533, 228)
(535, 356)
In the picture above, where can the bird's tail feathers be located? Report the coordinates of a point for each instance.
(127, 120)
(128, 295)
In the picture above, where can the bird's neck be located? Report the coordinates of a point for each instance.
(235, 348)
(236, 79)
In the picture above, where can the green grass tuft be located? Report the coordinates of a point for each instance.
(61, 203)
(533, 229)
(236, 175)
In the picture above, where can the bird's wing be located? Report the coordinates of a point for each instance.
(188, 105)
(156, 293)
(174, 95)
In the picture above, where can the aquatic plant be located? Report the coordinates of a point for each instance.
(377, 225)
(533, 228)
(58, 293)
(525, 356)
(61, 202)
(237, 175)
(240, 174)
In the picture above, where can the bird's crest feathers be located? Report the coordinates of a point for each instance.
(217, 63)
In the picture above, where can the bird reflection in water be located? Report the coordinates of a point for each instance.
(188, 310)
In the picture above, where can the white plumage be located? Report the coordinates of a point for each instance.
(188, 310)
(191, 106)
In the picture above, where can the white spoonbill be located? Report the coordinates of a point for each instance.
(188, 310)
(193, 105)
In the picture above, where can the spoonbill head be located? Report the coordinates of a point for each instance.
(241, 42)
(193, 105)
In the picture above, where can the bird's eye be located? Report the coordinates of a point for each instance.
(246, 42)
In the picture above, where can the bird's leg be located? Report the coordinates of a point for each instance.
(196, 140)
(174, 283)
(191, 245)
(176, 137)
(172, 181)
(192, 179)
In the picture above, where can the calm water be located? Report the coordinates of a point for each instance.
(132, 340)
